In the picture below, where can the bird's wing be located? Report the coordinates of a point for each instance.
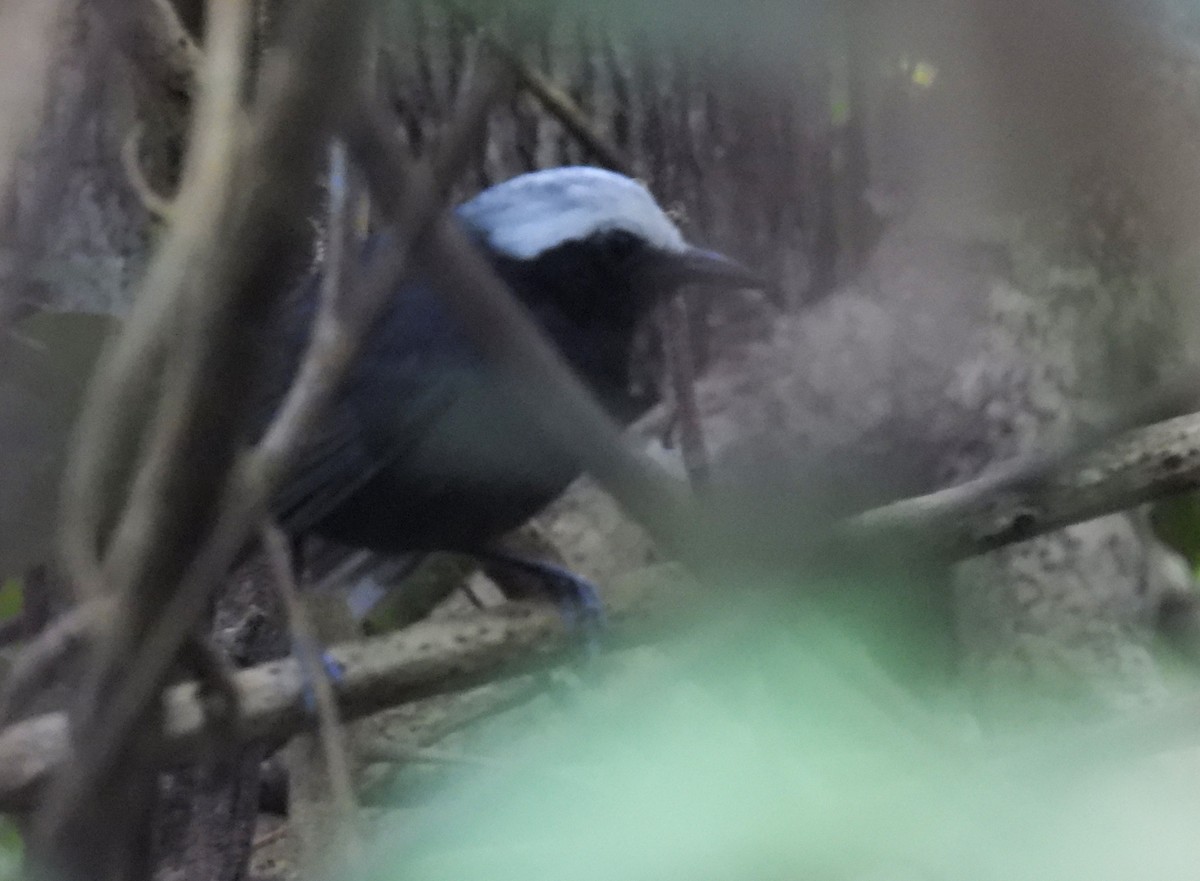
(412, 369)
(329, 467)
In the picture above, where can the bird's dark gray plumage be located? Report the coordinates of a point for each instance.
(423, 448)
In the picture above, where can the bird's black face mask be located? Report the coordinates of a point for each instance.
(615, 277)
(653, 273)
(591, 295)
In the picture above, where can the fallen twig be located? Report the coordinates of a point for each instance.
(427, 659)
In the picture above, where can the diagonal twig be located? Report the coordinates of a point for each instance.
(330, 731)
(211, 277)
(255, 474)
(433, 657)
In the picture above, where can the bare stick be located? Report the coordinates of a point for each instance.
(158, 205)
(255, 475)
(1134, 468)
(40, 661)
(440, 657)
(675, 330)
(560, 105)
(345, 318)
(115, 407)
(557, 103)
(212, 275)
(154, 533)
(433, 657)
(304, 642)
(268, 838)
(151, 34)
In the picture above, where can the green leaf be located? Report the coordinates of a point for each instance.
(1176, 521)
(12, 598)
(12, 849)
(839, 112)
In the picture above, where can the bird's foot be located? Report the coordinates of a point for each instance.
(578, 598)
(330, 668)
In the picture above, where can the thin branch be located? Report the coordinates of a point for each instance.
(330, 731)
(449, 655)
(156, 204)
(383, 751)
(151, 35)
(1178, 395)
(560, 105)
(391, 752)
(236, 179)
(41, 661)
(254, 476)
(268, 838)
(978, 516)
(430, 658)
(339, 233)
(114, 411)
(1157, 460)
(340, 326)
(675, 330)
(217, 272)
(164, 499)
(430, 721)
(557, 103)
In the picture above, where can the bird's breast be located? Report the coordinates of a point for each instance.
(428, 447)
(473, 470)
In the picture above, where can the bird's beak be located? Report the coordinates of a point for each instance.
(698, 266)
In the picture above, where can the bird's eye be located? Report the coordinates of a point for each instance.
(620, 244)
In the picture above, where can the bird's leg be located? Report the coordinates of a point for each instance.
(330, 667)
(286, 558)
(304, 639)
(578, 597)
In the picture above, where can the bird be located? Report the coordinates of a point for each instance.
(423, 447)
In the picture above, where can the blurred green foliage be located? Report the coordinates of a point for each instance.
(44, 370)
(759, 750)
(12, 598)
(1176, 521)
(11, 851)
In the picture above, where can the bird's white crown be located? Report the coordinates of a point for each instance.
(533, 213)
